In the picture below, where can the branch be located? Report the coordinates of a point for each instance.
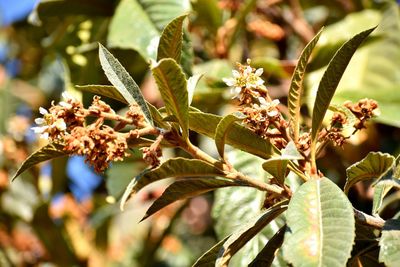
(369, 220)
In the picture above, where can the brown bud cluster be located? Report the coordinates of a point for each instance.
(364, 110)
(99, 143)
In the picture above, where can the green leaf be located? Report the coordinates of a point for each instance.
(47, 152)
(171, 40)
(125, 32)
(277, 167)
(191, 85)
(103, 90)
(238, 137)
(227, 216)
(331, 78)
(375, 65)
(321, 225)
(296, 85)
(267, 254)
(208, 14)
(55, 8)
(176, 167)
(381, 189)
(374, 165)
(173, 88)
(183, 189)
(223, 128)
(122, 81)
(246, 232)
(209, 257)
(389, 244)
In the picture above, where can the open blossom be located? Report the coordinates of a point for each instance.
(269, 107)
(49, 126)
(245, 77)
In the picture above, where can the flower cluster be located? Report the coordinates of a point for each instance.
(99, 143)
(262, 113)
(364, 110)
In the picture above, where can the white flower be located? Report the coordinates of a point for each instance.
(47, 124)
(246, 78)
(270, 107)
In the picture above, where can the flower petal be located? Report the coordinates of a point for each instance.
(43, 111)
(40, 121)
(259, 72)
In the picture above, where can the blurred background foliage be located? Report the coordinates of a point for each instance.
(63, 214)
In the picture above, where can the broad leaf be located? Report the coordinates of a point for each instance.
(389, 244)
(267, 254)
(246, 232)
(331, 78)
(183, 189)
(173, 88)
(321, 226)
(125, 32)
(228, 217)
(47, 152)
(296, 85)
(122, 81)
(51, 8)
(277, 167)
(103, 90)
(238, 137)
(173, 168)
(210, 256)
(191, 85)
(170, 45)
(374, 165)
(381, 189)
(375, 65)
(223, 128)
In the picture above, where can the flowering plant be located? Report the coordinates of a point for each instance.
(317, 223)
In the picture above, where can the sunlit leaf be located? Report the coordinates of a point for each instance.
(239, 136)
(191, 85)
(125, 32)
(389, 244)
(320, 222)
(122, 81)
(210, 256)
(173, 88)
(170, 45)
(103, 90)
(381, 189)
(223, 128)
(173, 168)
(331, 79)
(267, 254)
(296, 85)
(246, 232)
(374, 165)
(228, 217)
(277, 166)
(47, 152)
(183, 189)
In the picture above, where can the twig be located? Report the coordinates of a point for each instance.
(369, 220)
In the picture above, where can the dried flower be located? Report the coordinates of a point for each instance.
(363, 110)
(151, 155)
